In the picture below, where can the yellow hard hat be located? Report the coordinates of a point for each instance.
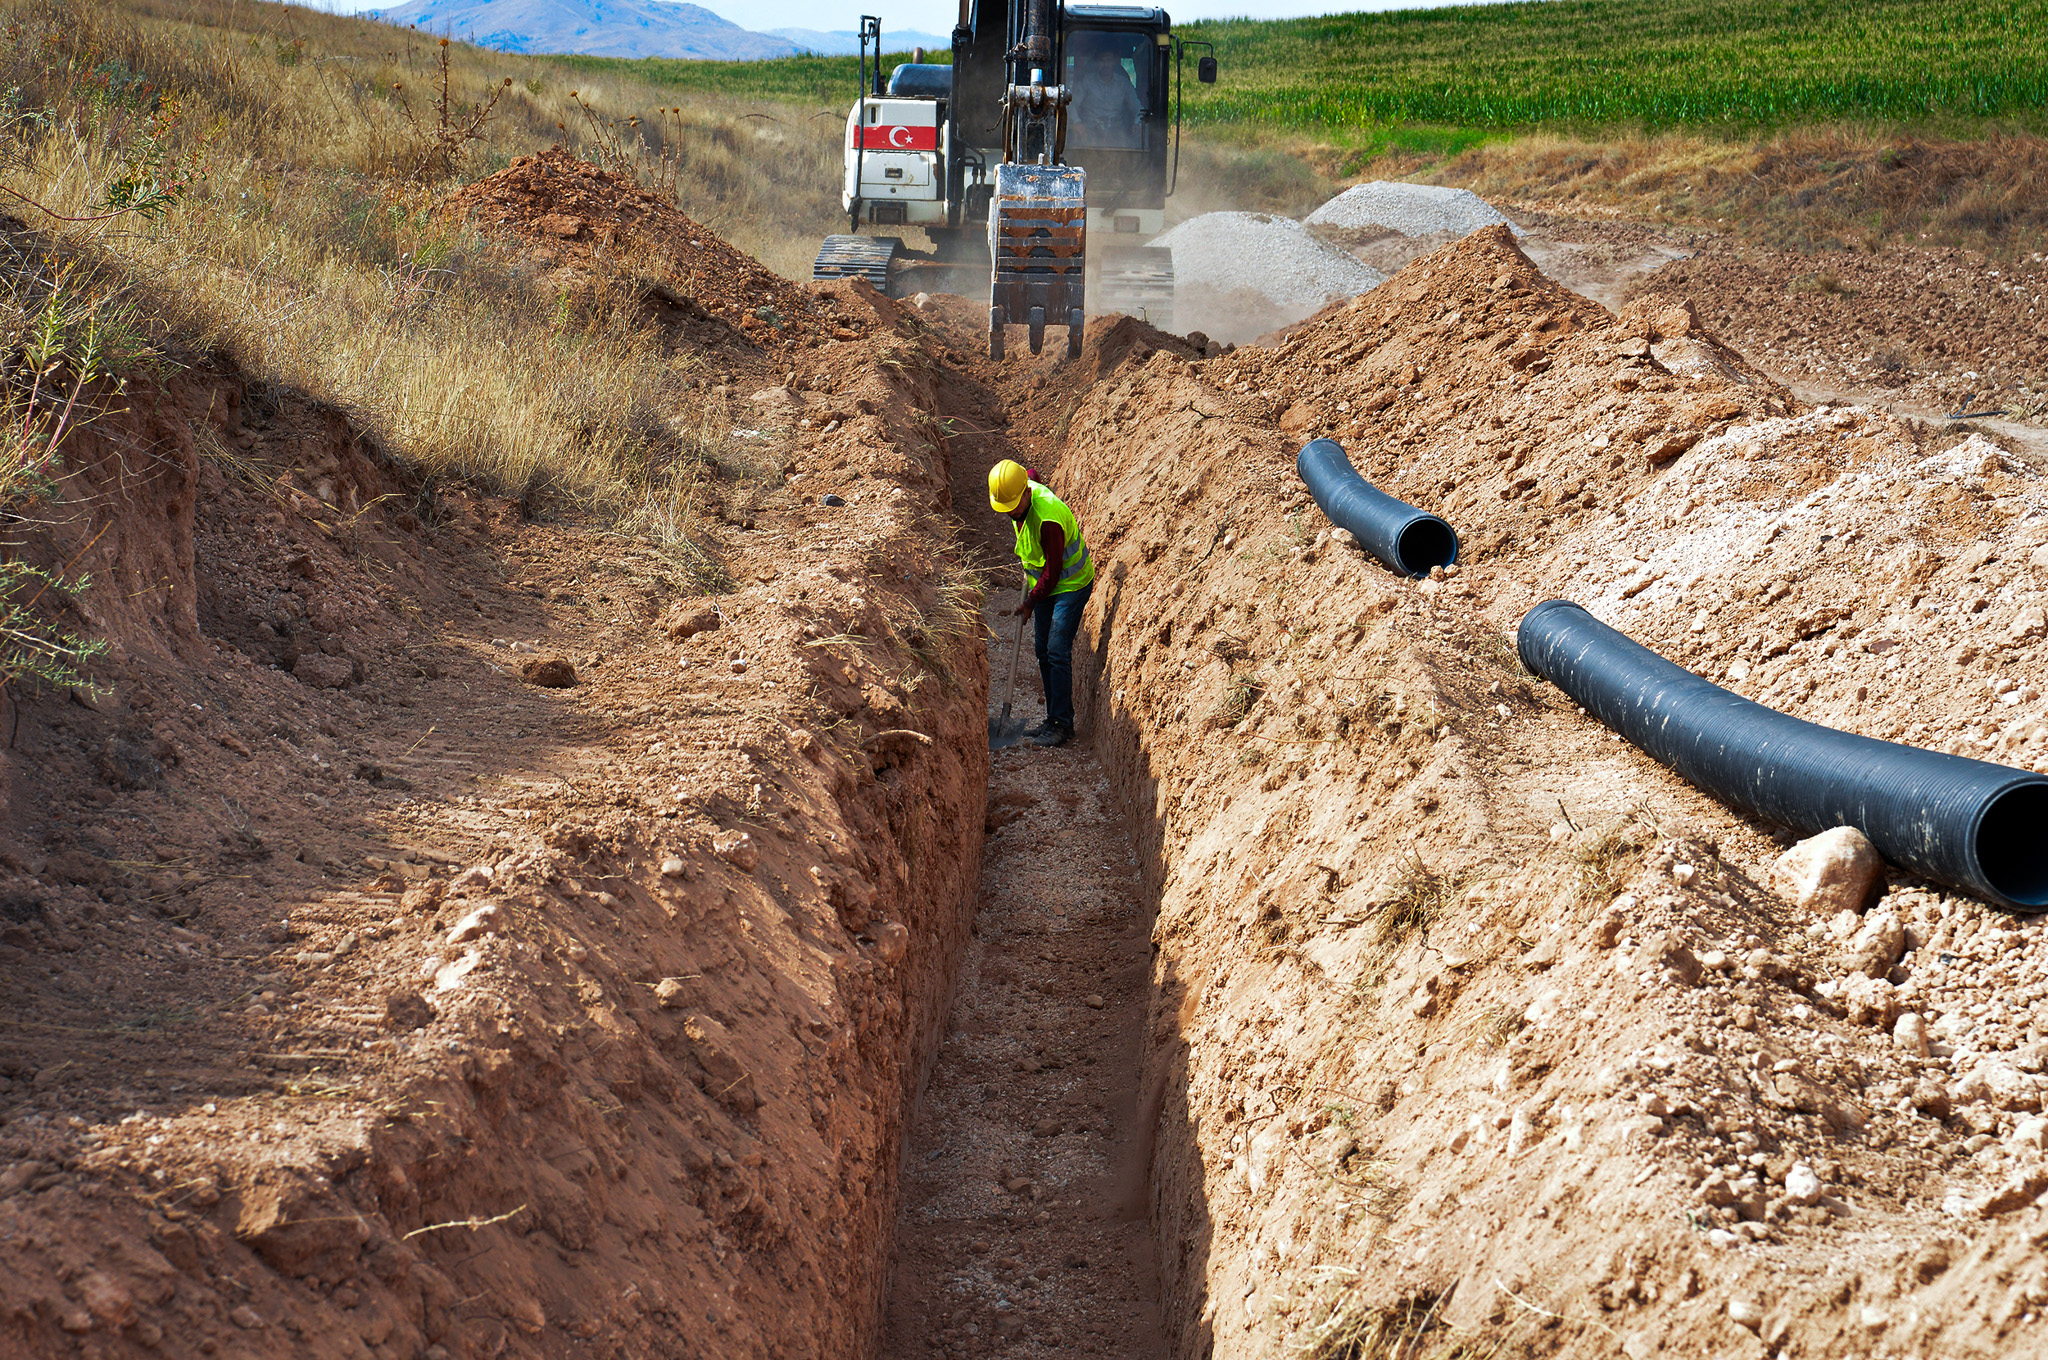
(1007, 484)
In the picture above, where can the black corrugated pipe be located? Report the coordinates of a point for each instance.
(1410, 541)
(1967, 823)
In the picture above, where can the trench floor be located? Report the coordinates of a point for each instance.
(1023, 1228)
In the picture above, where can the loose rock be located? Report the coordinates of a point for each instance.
(1831, 872)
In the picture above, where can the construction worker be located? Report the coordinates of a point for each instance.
(1050, 545)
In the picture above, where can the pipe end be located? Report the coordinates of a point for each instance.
(2010, 849)
(1426, 542)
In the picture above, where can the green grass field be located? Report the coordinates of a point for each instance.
(1739, 65)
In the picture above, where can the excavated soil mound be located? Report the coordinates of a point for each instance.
(573, 210)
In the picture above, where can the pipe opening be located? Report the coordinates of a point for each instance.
(1426, 543)
(2012, 851)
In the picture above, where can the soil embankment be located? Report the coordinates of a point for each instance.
(452, 933)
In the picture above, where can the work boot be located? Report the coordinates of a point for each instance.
(1040, 728)
(1051, 733)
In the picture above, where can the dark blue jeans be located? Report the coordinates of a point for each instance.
(1058, 619)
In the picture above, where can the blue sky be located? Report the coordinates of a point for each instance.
(936, 16)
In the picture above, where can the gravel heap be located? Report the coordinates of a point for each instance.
(1274, 256)
(1411, 209)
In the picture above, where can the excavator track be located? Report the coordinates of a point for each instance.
(867, 257)
(1137, 281)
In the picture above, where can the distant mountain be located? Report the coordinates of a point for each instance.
(597, 28)
(845, 42)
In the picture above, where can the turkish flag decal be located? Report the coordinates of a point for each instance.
(898, 137)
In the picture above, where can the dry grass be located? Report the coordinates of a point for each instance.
(289, 163)
(1234, 703)
(1605, 863)
(1344, 1325)
(1831, 186)
(1414, 901)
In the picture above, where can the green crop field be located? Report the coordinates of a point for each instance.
(1741, 65)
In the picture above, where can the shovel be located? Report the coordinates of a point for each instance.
(1002, 731)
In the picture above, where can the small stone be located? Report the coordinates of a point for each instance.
(1931, 1098)
(2030, 1133)
(424, 897)
(739, 667)
(1092, 1002)
(1745, 1313)
(1802, 1186)
(476, 876)
(1877, 947)
(1046, 1128)
(669, 992)
(549, 672)
(246, 1318)
(483, 921)
(1869, 1001)
(737, 849)
(1834, 871)
(672, 867)
(832, 500)
(1909, 1034)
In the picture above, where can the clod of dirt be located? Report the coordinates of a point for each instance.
(690, 618)
(407, 1010)
(548, 672)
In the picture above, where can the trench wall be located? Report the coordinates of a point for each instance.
(1467, 1014)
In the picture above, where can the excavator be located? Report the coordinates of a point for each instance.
(1052, 122)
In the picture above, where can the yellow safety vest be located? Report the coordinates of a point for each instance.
(1078, 568)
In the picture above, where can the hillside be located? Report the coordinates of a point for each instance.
(606, 28)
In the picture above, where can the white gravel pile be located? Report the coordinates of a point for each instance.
(1411, 209)
(1274, 256)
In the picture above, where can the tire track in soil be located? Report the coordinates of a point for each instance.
(1024, 1224)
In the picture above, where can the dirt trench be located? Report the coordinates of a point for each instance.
(1024, 1221)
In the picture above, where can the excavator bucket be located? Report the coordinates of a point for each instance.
(1037, 237)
